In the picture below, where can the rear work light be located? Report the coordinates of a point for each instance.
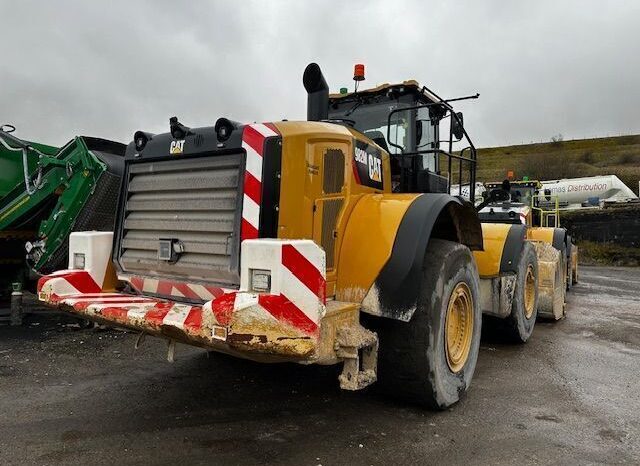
(261, 280)
(224, 127)
(170, 249)
(78, 261)
(140, 139)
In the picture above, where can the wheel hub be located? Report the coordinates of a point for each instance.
(459, 327)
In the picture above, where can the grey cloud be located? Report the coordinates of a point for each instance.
(108, 69)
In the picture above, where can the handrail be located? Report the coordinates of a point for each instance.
(471, 160)
(545, 214)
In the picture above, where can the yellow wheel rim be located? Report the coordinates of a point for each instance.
(529, 292)
(459, 327)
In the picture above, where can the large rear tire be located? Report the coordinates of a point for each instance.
(431, 359)
(559, 302)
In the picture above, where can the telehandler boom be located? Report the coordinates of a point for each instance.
(45, 193)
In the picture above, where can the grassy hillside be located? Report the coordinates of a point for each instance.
(565, 159)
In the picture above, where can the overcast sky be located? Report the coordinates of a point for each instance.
(112, 67)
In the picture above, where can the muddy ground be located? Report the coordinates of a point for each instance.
(571, 395)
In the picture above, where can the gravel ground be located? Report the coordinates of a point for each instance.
(571, 395)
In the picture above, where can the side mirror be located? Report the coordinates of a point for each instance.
(437, 112)
(457, 126)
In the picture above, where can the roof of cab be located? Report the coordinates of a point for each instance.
(386, 86)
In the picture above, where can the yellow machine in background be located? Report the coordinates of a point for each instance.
(509, 279)
(522, 202)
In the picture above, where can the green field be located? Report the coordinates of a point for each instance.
(565, 159)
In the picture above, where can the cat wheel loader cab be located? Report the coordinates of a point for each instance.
(332, 240)
(420, 130)
(45, 193)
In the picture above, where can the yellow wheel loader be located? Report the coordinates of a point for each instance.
(328, 241)
(523, 203)
(510, 271)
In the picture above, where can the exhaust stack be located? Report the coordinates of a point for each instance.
(317, 91)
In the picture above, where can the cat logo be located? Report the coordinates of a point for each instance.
(176, 147)
(375, 168)
(368, 165)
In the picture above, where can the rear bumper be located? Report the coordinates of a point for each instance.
(249, 325)
(284, 322)
(292, 322)
(245, 324)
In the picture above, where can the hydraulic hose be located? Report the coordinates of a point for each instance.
(30, 186)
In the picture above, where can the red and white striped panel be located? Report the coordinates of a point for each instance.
(277, 309)
(253, 137)
(150, 315)
(66, 282)
(143, 313)
(293, 307)
(174, 289)
(298, 284)
(95, 301)
(77, 290)
(212, 323)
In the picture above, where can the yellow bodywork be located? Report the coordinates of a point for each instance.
(543, 234)
(494, 236)
(304, 145)
(368, 242)
(550, 277)
(358, 228)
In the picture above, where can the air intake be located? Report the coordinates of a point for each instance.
(330, 211)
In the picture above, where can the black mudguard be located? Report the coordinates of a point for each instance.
(559, 238)
(512, 249)
(395, 292)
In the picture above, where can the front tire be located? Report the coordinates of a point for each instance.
(524, 308)
(431, 359)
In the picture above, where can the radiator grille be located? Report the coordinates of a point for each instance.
(194, 201)
(333, 175)
(330, 210)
